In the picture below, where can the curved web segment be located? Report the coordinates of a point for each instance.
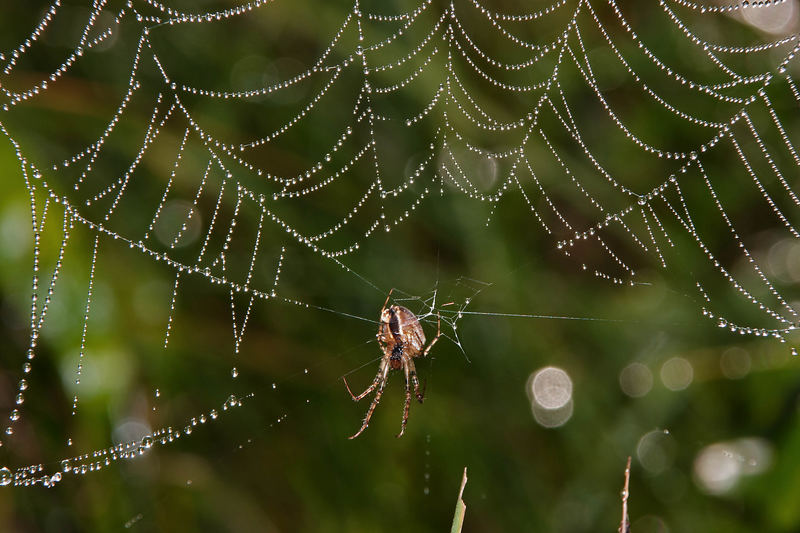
(508, 109)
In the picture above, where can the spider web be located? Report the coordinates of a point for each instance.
(513, 112)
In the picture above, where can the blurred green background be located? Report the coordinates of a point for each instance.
(710, 416)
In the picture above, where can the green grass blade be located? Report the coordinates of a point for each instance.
(461, 508)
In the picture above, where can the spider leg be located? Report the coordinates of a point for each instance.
(436, 338)
(387, 299)
(380, 323)
(406, 364)
(412, 371)
(380, 382)
(380, 375)
(372, 407)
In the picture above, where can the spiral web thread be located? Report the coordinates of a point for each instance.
(515, 114)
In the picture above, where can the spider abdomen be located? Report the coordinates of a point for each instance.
(406, 330)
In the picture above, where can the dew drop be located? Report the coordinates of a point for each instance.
(5, 476)
(234, 372)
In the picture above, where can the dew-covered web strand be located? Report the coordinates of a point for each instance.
(165, 193)
(467, 62)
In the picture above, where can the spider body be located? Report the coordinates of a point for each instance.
(401, 339)
(396, 359)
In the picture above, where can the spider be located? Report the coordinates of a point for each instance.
(401, 339)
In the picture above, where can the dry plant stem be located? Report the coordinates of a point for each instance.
(463, 484)
(625, 524)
